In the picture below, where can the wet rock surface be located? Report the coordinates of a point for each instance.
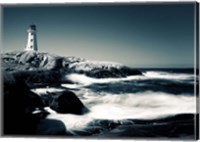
(66, 102)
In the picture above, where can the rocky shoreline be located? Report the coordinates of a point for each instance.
(36, 63)
(25, 70)
(24, 111)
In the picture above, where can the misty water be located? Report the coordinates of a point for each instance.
(153, 95)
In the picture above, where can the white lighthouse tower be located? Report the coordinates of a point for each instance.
(32, 39)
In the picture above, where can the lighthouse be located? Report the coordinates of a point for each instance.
(32, 39)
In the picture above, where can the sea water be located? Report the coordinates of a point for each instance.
(155, 94)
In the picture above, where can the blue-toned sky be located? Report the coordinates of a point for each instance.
(138, 35)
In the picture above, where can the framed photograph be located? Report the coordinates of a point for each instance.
(101, 70)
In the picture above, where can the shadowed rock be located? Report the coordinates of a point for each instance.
(50, 127)
(18, 104)
(67, 102)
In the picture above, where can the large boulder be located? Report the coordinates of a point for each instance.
(67, 102)
(113, 72)
(26, 57)
(18, 89)
(101, 69)
(19, 103)
(50, 127)
(50, 62)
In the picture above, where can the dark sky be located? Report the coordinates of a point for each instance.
(138, 35)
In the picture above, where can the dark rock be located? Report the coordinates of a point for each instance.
(18, 89)
(130, 71)
(50, 127)
(18, 104)
(108, 72)
(102, 74)
(47, 99)
(38, 78)
(67, 102)
(179, 126)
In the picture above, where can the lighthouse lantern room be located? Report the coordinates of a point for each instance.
(32, 39)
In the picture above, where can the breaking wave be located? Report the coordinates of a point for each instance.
(148, 105)
(166, 75)
(83, 79)
(144, 105)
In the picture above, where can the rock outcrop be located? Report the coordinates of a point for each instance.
(18, 105)
(34, 61)
(26, 70)
(24, 113)
(67, 102)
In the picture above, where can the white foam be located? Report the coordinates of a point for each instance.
(71, 121)
(167, 75)
(72, 86)
(40, 91)
(85, 80)
(89, 65)
(147, 105)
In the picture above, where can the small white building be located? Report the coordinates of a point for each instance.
(32, 39)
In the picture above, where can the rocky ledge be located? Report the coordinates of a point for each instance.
(23, 110)
(34, 61)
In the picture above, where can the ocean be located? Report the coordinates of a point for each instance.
(161, 103)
